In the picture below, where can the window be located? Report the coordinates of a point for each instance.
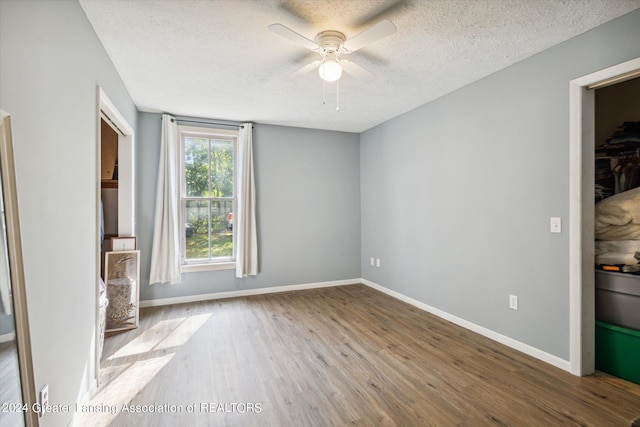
(208, 195)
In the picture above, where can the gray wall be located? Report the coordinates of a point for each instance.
(6, 323)
(52, 62)
(457, 194)
(308, 210)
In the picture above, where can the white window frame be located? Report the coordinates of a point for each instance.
(221, 263)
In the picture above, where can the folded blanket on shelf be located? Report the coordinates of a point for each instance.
(616, 258)
(617, 252)
(625, 246)
(618, 217)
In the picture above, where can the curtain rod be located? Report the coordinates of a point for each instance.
(207, 123)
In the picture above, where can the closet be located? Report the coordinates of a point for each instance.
(617, 229)
(109, 180)
(119, 257)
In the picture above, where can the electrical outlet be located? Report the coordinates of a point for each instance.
(373, 262)
(513, 302)
(377, 262)
(44, 399)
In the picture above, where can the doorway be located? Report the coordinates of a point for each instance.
(581, 197)
(122, 134)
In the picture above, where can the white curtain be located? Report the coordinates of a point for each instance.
(246, 235)
(165, 254)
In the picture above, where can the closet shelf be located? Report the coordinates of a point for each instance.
(109, 183)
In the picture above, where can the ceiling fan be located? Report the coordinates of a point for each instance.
(331, 44)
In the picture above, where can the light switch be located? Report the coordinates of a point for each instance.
(556, 224)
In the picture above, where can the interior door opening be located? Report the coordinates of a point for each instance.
(115, 165)
(617, 198)
(581, 206)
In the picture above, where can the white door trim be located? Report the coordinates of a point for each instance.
(581, 228)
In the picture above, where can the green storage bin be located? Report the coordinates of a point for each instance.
(618, 351)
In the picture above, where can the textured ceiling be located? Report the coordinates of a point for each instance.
(217, 59)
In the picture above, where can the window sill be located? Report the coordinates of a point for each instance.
(192, 268)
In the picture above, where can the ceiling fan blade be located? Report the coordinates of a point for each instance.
(307, 68)
(371, 35)
(294, 37)
(355, 70)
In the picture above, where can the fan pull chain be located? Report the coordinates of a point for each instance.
(337, 95)
(324, 99)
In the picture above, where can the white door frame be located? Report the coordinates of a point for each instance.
(581, 228)
(126, 189)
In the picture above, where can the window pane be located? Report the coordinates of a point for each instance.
(221, 168)
(221, 228)
(197, 229)
(208, 196)
(196, 160)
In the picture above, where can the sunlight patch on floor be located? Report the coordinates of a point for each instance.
(107, 403)
(175, 332)
(181, 334)
(125, 379)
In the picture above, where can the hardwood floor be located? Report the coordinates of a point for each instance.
(10, 392)
(347, 355)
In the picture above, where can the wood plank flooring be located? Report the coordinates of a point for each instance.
(338, 356)
(10, 391)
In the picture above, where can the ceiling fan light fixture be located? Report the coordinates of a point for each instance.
(330, 70)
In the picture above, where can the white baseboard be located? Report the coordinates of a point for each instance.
(509, 342)
(7, 337)
(244, 293)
